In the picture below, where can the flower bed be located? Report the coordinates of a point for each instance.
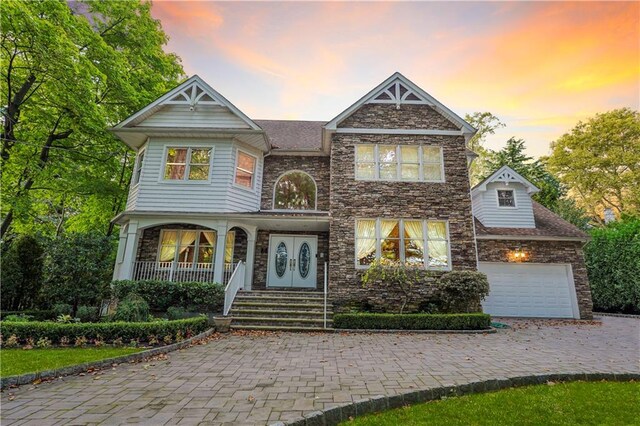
(372, 321)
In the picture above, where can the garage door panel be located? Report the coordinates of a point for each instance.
(529, 290)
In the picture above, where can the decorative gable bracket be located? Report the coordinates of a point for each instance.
(191, 96)
(397, 93)
(506, 175)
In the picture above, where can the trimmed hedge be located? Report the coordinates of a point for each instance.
(37, 315)
(371, 321)
(107, 331)
(161, 295)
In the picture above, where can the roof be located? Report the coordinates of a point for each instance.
(293, 134)
(506, 175)
(548, 224)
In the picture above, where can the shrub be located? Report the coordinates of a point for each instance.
(613, 266)
(161, 295)
(12, 342)
(174, 313)
(35, 315)
(462, 291)
(77, 270)
(132, 308)
(395, 276)
(20, 273)
(17, 318)
(87, 313)
(62, 309)
(43, 342)
(369, 321)
(108, 331)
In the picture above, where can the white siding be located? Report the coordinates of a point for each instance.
(217, 196)
(203, 116)
(485, 207)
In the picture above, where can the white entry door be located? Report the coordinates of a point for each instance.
(292, 261)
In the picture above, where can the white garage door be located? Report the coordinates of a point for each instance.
(530, 290)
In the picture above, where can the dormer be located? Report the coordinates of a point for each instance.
(503, 200)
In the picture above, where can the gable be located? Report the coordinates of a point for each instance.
(505, 175)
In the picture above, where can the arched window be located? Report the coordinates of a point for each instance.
(295, 190)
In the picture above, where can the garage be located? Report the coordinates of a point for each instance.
(530, 290)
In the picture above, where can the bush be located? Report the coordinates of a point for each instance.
(35, 315)
(77, 270)
(367, 321)
(20, 273)
(87, 314)
(161, 295)
(462, 291)
(613, 265)
(17, 318)
(176, 312)
(132, 308)
(62, 309)
(107, 331)
(395, 276)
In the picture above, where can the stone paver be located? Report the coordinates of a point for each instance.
(261, 379)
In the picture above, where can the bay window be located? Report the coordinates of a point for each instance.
(245, 169)
(137, 171)
(189, 249)
(192, 164)
(411, 163)
(418, 243)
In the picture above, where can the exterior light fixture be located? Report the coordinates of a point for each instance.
(519, 255)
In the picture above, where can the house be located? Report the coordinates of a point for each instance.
(284, 205)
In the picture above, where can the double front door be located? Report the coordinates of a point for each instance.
(292, 261)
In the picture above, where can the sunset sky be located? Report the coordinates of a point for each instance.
(540, 67)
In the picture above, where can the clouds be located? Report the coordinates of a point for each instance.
(539, 66)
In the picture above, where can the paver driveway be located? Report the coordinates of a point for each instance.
(262, 379)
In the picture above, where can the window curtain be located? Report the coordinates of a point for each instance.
(365, 237)
(168, 247)
(386, 227)
(187, 239)
(228, 247)
(210, 237)
(414, 229)
(438, 253)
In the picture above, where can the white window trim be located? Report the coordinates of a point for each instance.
(185, 180)
(513, 191)
(275, 185)
(175, 262)
(425, 238)
(253, 175)
(376, 163)
(138, 166)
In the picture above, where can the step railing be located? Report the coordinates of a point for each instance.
(236, 282)
(325, 294)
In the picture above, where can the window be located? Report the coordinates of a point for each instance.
(137, 171)
(506, 198)
(295, 190)
(190, 249)
(191, 164)
(419, 243)
(411, 163)
(245, 169)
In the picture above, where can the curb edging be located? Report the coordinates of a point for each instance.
(334, 415)
(613, 314)
(384, 331)
(25, 379)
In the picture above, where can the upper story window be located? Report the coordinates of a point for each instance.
(245, 169)
(187, 248)
(191, 164)
(295, 190)
(137, 171)
(419, 243)
(412, 163)
(506, 198)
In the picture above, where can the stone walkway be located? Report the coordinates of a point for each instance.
(261, 379)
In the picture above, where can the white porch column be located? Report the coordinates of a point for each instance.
(251, 255)
(131, 247)
(221, 238)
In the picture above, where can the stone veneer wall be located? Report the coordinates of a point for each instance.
(316, 167)
(545, 252)
(351, 199)
(262, 257)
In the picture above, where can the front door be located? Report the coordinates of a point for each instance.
(292, 261)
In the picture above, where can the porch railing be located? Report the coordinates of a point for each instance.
(179, 271)
(236, 282)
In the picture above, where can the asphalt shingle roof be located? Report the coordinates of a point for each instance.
(293, 134)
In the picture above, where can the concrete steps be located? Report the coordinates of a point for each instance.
(280, 310)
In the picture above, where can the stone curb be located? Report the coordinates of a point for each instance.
(366, 330)
(607, 314)
(333, 416)
(29, 378)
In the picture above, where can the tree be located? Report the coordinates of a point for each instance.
(73, 69)
(487, 124)
(21, 272)
(599, 160)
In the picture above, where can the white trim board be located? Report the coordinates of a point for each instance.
(400, 131)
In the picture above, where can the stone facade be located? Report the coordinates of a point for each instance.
(351, 199)
(545, 252)
(262, 257)
(316, 167)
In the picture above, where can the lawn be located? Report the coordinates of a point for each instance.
(577, 403)
(18, 361)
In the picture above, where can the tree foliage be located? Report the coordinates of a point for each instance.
(600, 161)
(486, 124)
(72, 70)
(21, 274)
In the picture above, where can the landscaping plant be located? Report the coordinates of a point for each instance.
(395, 276)
(132, 308)
(462, 291)
(161, 295)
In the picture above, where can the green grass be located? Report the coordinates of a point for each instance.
(18, 361)
(577, 403)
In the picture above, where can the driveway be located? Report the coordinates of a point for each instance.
(264, 378)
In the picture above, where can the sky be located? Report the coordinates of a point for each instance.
(538, 66)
